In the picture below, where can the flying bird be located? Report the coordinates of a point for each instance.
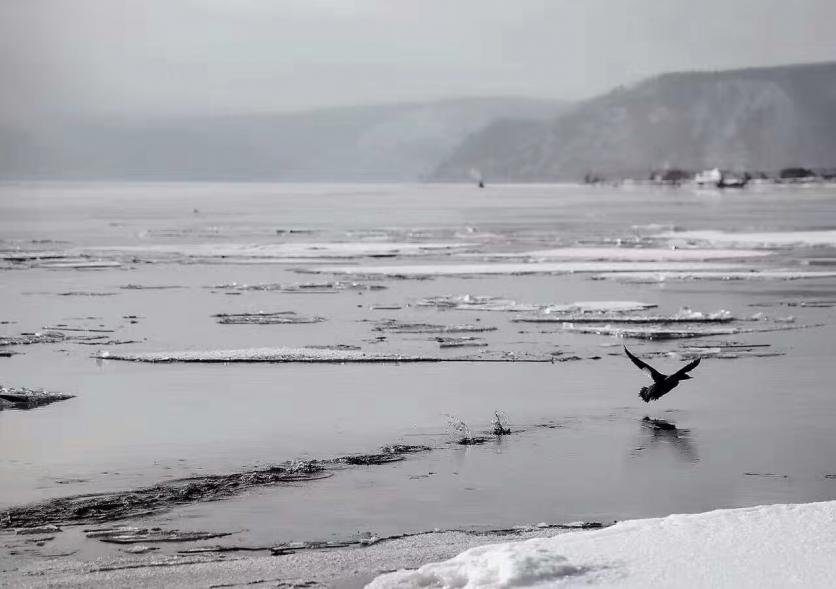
(662, 383)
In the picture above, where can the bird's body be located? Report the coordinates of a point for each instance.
(662, 383)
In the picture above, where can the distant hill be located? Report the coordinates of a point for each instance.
(400, 142)
(749, 119)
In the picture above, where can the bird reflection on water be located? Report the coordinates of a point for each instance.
(656, 432)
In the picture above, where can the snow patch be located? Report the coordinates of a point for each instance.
(766, 546)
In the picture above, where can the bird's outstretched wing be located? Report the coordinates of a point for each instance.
(654, 374)
(687, 368)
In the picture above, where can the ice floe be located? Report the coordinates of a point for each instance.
(654, 332)
(81, 265)
(31, 255)
(151, 286)
(816, 304)
(460, 342)
(599, 307)
(38, 337)
(308, 355)
(757, 239)
(134, 535)
(684, 315)
(819, 262)
(55, 259)
(469, 302)
(723, 350)
(24, 398)
(262, 318)
(395, 326)
(418, 271)
(765, 546)
(659, 331)
(627, 254)
(86, 293)
(299, 287)
(292, 251)
(656, 277)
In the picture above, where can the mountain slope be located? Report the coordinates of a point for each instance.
(400, 142)
(753, 119)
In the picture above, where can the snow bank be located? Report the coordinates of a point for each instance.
(522, 268)
(766, 546)
(629, 254)
(764, 239)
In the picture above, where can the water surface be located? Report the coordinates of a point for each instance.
(137, 424)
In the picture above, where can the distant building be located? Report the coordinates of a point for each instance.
(712, 177)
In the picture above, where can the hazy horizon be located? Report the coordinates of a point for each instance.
(138, 59)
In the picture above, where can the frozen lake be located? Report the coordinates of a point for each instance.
(367, 269)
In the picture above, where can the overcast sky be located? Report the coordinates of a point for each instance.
(163, 57)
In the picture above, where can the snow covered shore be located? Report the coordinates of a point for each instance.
(771, 546)
(766, 546)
